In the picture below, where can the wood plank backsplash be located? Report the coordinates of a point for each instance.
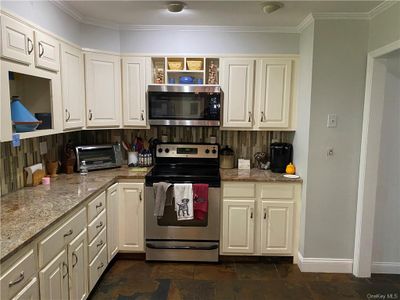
(13, 160)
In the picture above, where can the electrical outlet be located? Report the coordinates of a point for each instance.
(332, 121)
(43, 148)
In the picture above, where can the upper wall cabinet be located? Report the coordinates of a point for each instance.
(263, 101)
(273, 93)
(103, 90)
(237, 82)
(18, 44)
(47, 52)
(72, 84)
(16, 41)
(134, 91)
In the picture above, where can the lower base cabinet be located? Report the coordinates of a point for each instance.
(97, 267)
(77, 264)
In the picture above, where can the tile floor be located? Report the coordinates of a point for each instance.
(135, 279)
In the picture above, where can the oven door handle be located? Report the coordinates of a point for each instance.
(210, 247)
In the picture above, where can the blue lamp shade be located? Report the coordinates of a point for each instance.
(22, 118)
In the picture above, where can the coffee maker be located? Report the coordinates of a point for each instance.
(281, 156)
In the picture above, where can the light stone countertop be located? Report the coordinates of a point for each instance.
(28, 212)
(254, 175)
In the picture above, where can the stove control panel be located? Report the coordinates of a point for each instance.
(187, 150)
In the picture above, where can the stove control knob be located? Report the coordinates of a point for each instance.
(159, 150)
(166, 150)
(214, 151)
(207, 151)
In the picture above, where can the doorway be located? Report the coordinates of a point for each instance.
(377, 242)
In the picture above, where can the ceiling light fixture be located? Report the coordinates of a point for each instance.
(175, 7)
(270, 7)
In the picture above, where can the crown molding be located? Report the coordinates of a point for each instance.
(341, 16)
(381, 8)
(68, 10)
(305, 23)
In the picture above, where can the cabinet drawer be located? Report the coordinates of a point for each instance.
(97, 244)
(277, 191)
(96, 206)
(18, 275)
(239, 190)
(53, 244)
(97, 267)
(29, 292)
(97, 225)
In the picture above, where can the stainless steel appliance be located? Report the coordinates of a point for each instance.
(188, 105)
(99, 156)
(191, 240)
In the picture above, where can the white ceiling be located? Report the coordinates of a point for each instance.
(210, 13)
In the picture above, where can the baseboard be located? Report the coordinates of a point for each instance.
(385, 267)
(325, 265)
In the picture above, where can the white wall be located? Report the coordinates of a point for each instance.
(301, 136)
(202, 42)
(386, 246)
(338, 83)
(47, 16)
(100, 38)
(385, 28)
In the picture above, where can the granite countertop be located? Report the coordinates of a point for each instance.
(254, 175)
(26, 213)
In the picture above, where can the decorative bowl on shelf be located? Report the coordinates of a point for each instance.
(186, 79)
(21, 117)
(195, 65)
(175, 65)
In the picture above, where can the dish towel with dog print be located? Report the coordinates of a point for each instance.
(183, 201)
(200, 200)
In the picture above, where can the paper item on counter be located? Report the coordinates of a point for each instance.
(30, 170)
(243, 164)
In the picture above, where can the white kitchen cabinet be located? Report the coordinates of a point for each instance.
(131, 217)
(54, 278)
(103, 90)
(29, 292)
(16, 41)
(78, 267)
(134, 91)
(273, 92)
(112, 221)
(276, 227)
(47, 52)
(237, 82)
(238, 226)
(72, 85)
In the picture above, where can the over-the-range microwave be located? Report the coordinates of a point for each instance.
(187, 105)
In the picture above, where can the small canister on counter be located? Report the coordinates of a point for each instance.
(227, 158)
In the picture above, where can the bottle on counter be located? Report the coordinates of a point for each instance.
(83, 168)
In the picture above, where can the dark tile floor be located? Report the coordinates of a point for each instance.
(135, 279)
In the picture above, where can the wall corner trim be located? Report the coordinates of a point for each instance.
(325, 265)
(386, 267)
(304, 24)
(381, 8)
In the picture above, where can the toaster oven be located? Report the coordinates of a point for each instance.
(99, 157)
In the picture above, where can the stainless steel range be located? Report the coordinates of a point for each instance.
(187, 240)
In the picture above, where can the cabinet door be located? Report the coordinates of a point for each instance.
(78, 267)
(273, 93)
(112, 221)
(134, 91)
(238, 85)
(16, 41)
(54, 278)
(103, 90)
(72, 84)
(276, 227)
(238, 226)
(47, 52)
(131, 217)
(29, 292)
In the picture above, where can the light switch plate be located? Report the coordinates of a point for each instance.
(332, 121)
(43, 148)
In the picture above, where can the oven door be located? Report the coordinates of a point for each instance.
(184, 106)
(168, 228)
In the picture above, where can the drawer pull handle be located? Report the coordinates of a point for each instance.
(18, 280)
(41, 50)
(140, 196)
(68, 233)
(250, 116)
(66, 267)
(262, 116)
(142, 116)
(100, 266)
(100, 224)
(90, 115)
(101, 243)
(30, 46)
(68, 115)
(76, 259)
(99, 205)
